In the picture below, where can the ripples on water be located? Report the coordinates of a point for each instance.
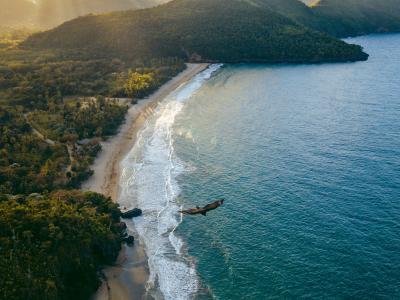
(308, 159)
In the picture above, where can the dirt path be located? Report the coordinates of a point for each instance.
(38, 133)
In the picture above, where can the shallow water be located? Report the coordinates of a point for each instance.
(308, 160)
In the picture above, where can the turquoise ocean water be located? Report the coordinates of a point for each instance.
(308, 160)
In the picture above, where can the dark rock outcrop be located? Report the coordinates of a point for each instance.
(129, 240)
(121, 226)
(133, 213)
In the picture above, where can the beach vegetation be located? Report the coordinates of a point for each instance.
(138, 83)
(53, 246)
(56, 107)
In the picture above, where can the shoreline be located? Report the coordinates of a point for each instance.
(128, 277)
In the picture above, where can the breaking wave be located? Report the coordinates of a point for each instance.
(148, 181)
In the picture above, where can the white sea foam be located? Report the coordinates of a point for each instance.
(148, 181)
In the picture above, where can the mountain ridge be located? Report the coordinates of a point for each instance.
(200, 31)
(357, 17)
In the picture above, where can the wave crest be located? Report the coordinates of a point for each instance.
(148, 181)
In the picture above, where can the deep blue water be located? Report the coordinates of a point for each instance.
(308, 160)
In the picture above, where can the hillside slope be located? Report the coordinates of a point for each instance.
(292, 9)
(341, 18)
(198, 30)
(357, 17)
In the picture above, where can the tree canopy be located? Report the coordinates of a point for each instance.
(201, 31)
(53, 246)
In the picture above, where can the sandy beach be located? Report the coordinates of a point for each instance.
(128, 277)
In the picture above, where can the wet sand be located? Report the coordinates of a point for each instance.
(128, 277)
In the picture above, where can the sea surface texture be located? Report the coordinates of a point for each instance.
(308, 160)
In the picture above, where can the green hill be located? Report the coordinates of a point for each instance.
(341, 18)
(293, 9)
(200, 30)
(357, 17)
(296, 10)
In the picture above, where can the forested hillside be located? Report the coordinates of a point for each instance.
(337, 17)
(199, 30)
(341, 18)
(356, 17)
(292, 9)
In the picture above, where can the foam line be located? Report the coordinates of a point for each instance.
(149, 181)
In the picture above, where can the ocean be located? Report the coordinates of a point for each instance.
(307, 158)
